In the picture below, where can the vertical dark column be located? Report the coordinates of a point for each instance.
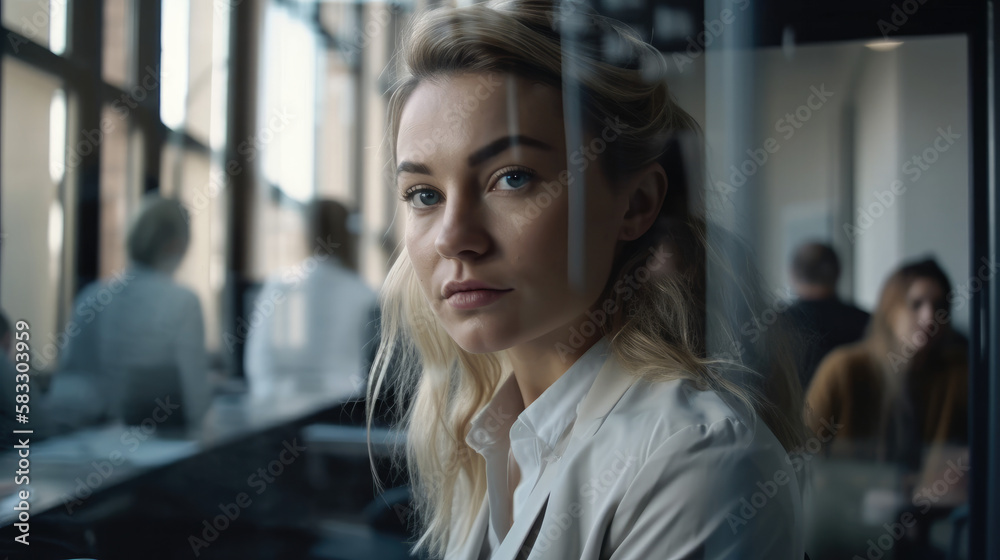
(85, 31)
(984, 414)
(146, 70)
(3, 233)
(241, 171)
(356, 58)
(731, 86)
(356, 51)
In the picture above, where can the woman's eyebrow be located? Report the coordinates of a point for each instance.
(499, 145)
(486, 152)
(411, 167)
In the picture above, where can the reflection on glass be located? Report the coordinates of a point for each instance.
(57, 25)
(57, 136)
(862, 146)
(174, 62)
(865, 151)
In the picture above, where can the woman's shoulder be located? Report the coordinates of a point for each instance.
(687, 459)
(678, 414)
(849, 356)
(844, 367)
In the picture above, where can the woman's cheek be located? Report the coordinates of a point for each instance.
(420, 248)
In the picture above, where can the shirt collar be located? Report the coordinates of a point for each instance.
(492, 424)
(548, 417)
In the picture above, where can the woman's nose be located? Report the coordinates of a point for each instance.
(463, 233)
(925, 315)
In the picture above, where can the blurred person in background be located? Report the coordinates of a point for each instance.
(898, 402)
(139, 349)
(903, 389)
(822, 319)
(317, 324)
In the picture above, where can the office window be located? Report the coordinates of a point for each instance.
(194, 187)
(119, 29)
(39, 21)
(120, 189)
(34, 133)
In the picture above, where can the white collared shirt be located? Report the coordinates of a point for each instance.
(648, 469)
(534, 437)
(316, 331)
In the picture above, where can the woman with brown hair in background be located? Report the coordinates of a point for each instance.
(902, 392)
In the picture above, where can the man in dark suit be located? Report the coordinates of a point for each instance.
(824, 321)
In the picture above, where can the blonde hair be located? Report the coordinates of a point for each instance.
(659, 333)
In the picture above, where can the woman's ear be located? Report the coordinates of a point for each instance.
(645, 190)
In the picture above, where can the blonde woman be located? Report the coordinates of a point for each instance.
(554, 414)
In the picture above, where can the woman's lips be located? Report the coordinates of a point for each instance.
(472, 299)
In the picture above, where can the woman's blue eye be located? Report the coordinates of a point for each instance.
(514, 180)
(423, 198)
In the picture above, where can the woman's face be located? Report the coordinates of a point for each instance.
(479, 168)
(914, 322)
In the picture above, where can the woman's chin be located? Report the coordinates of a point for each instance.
(476, 339)
(479, 345)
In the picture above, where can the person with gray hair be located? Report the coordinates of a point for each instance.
(136, 343)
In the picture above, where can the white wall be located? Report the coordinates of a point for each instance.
(801, 185)
(877, 139)
(886, 108)
(936, 205)
(906, 98)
